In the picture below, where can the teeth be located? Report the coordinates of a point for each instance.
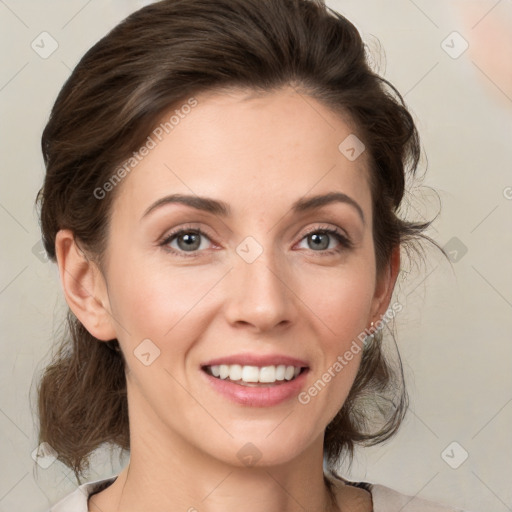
(265, 374)
(268, 374)
(223, 371)
(235, 372)
(249, 374)
(280, 371)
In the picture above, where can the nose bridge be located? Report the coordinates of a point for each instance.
(259, 292)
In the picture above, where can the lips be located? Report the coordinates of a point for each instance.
(257, 394)
(258, 380)
(255, 375)
(257, 360)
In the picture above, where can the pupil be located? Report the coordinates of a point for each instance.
(190, 239)
(316, 238)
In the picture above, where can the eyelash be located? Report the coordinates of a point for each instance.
(345, 243)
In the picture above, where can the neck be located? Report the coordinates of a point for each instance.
(173, 469)
(161, 477)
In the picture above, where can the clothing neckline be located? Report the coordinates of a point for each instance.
(336, 480)
(383, 498)
(102, 484)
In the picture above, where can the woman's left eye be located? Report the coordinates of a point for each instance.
(320, 238)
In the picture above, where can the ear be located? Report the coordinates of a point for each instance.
(84, 287)
(385, 285)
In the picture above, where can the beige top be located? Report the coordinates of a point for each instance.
(384, 498)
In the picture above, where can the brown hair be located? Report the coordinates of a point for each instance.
(147, 64)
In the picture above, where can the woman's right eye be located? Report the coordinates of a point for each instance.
(186, 241)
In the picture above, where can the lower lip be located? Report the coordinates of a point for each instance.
(257, 396)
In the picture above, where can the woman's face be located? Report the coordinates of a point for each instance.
(261, 285)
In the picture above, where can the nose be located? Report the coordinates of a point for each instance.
(260, 293)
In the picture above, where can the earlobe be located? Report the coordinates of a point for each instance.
(386, 284)
(84, 287)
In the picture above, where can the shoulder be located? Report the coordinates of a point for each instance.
(77, 500)
(385, 499)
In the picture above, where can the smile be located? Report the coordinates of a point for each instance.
(254, 375)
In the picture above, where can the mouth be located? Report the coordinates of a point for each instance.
(255, 376)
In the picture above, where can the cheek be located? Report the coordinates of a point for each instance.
(341, 300)
(158, 302)
(340, 304)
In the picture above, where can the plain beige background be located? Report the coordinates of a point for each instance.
(454, 333)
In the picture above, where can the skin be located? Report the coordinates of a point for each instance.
(259, 153)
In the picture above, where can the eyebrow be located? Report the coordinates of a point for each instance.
(223, 209)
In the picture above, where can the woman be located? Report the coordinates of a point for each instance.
(223, 180)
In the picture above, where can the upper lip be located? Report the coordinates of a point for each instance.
(257, 360)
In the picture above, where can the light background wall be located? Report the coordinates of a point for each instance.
(454, 333)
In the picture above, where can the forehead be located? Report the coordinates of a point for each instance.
(247, 147)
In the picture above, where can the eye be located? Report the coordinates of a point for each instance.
(186, 240)
(320, 239)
